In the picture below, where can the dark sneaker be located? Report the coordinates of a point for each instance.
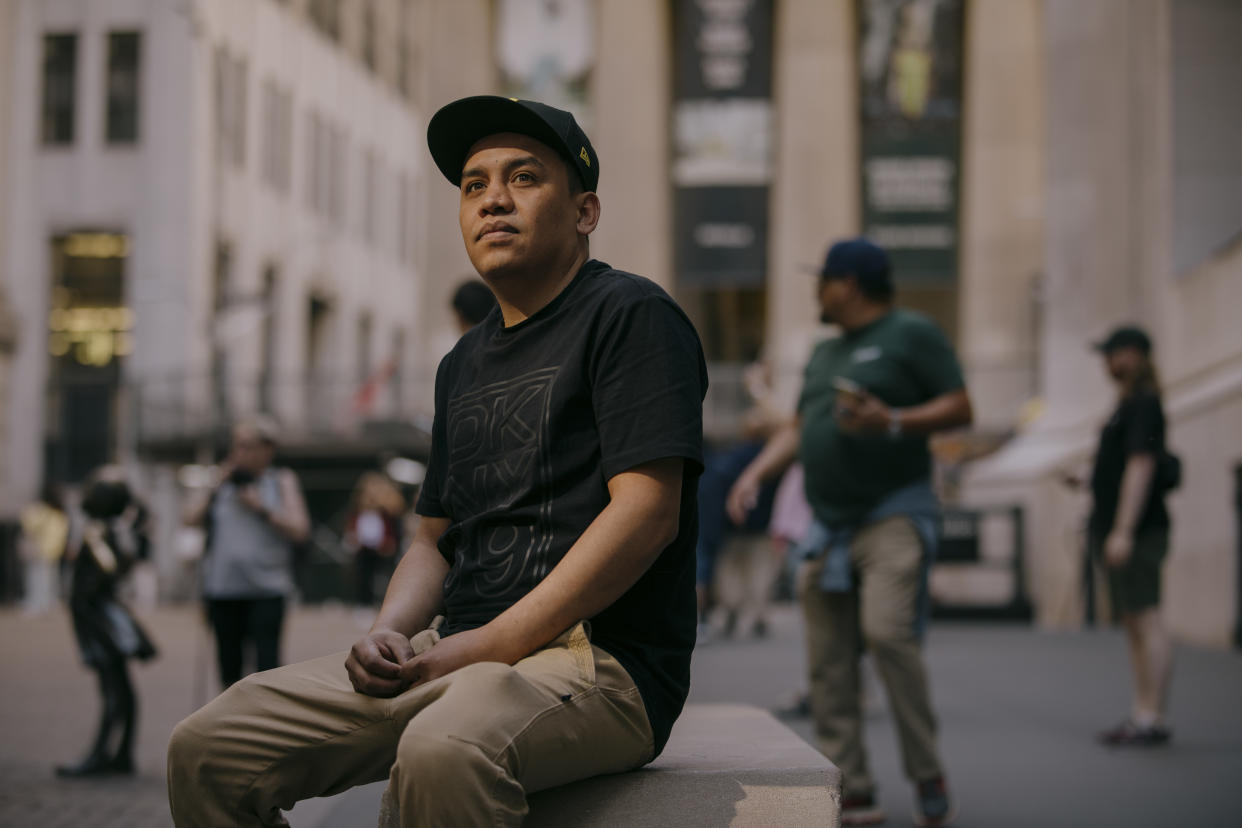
(933, 806)
(1129, 734)
(860, 809)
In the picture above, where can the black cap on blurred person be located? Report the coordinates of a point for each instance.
(1126, 336)
(458, 126)
(865, 261)
(473, 300)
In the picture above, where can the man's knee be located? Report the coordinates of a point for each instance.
(452, 735)
(199, 741)
(886, 635)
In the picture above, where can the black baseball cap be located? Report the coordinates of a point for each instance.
(1126, 336)
(861, 258)
(458, 126)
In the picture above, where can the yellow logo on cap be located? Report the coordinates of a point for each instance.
(585, 156)
(515, 100)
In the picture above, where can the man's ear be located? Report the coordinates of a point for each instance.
(588, 212)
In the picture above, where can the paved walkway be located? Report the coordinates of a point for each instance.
(1017, 708)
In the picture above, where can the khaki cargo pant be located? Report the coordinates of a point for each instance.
(880, 612)
(463, 750)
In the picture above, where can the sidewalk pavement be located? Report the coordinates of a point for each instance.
(1018, 709)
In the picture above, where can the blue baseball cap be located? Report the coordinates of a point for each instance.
(862, 259)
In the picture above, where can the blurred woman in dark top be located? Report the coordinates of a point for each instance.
(1129, 528)
(114, 537)
(373, 532)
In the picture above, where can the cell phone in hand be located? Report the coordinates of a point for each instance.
(851, 391)
(241, 477)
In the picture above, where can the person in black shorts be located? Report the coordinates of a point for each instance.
(1129, 529)
(539, 629)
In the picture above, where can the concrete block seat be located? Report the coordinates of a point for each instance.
(725, 765)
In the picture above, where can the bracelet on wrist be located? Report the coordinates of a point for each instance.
(894, 423)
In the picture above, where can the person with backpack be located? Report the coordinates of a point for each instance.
(1128, 530)
(114, 537)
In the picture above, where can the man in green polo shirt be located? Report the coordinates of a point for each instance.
(870, 399)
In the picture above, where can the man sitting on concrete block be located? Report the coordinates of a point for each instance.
(557, 534)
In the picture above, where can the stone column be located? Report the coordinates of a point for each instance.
(815, 186)
(632, 89)
(1002, 207)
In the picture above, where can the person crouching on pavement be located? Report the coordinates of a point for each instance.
(556, 539)
(870, 398)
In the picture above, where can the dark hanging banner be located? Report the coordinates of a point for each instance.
(910, 76)
(722, 141)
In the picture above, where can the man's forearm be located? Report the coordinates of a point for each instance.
(415, 592)
(195, 513)
(778, 452)
(1135, 487)
(952, 410)
(609, 557)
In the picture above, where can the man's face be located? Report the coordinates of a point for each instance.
(834, 293)
(517, 213)
(1123, 364)
(249, 451)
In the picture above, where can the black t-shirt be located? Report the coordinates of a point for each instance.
(531, 422)
(1136, 427)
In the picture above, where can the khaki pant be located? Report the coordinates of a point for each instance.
(463, 750)
(879, 613)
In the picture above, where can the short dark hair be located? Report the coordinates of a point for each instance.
(473, 301)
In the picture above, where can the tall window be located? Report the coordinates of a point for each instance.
(405, 56)
(267, 367)
(370, 182)
(336, 174)
(124, 57)
(231, 107)
(368, 34)
(1207, 129)
(277, 136)
(325, 182)
(363, 345)
(397, 378)
(60, 64)
(403, 218)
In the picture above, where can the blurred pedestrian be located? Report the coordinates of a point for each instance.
(472, 302)
(373, 532)
(722, 465)
(45, 533)
(252, 517)
(1128, 530)
(870, 399)
(113, 538)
